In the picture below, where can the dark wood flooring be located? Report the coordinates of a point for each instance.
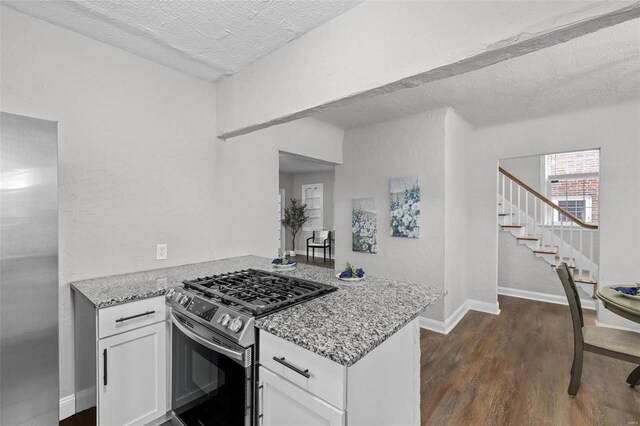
(83, 418)
(302, 258)
(513, 369)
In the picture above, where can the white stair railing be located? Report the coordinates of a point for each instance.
(570, 235)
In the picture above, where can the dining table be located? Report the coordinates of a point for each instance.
(626, 307)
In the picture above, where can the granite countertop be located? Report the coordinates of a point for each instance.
(343, 326)
(114, 290)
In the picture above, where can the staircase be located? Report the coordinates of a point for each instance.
(550, 232)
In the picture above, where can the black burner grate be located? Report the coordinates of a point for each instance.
(257, 292)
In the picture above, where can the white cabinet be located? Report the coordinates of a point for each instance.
(132, 375)
(299, 387)
(285, 404)
(121, 360)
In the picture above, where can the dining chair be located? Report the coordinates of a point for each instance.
(319, 240)
(614, 343)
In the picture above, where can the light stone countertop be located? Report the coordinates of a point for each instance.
(343, 326)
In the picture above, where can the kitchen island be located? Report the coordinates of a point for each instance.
(359, 345)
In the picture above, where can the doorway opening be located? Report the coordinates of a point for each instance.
(548, 212)
(309, 182)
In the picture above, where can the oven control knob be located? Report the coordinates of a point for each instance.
(224, 320)
(236, 325)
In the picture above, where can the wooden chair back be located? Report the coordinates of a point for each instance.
(573, 297)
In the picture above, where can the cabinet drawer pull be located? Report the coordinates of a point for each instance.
(135, 316)
(104, 359)
(281, 360)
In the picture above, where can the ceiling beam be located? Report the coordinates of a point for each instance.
(243, 107)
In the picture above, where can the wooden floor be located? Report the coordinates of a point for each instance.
(302, 258)
(513, 369)
(83, 418)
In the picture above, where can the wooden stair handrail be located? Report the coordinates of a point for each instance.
(547, 201)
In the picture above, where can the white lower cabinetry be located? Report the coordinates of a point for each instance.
(299, 387)
(283, 403)
(132, 376)
(121, 355)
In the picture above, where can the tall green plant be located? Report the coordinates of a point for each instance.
(294, 217)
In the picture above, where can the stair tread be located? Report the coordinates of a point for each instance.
(505, 214)
(569, 261)
(546, 250)
(512, 226)
(583, 277)
(530, 237)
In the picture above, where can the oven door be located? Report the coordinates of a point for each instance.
(212, 377)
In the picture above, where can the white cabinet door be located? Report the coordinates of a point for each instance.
(285, 404)
(132, 376)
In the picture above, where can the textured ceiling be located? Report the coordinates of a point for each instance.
(204, 38)
(291, 163)
(598, 68)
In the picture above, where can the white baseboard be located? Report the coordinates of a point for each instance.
(445, 327)
(86, 398)
(67, 406)
(486, 307)
(544, 297)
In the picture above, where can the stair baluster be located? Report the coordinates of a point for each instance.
(561, 248)
(534, 218)
(526, 214)
(504, 197)
(511, 202)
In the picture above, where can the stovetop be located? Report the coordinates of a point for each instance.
(256, 292)
(229, 303)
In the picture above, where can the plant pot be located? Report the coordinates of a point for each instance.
(292, 253)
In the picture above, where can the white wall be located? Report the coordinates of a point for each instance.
(135, 154)
(527, 169)
(286, 183)
(413, 145)
(519, 268)
(615, 130)
(457, 137)
(375, 45)
(247, 179)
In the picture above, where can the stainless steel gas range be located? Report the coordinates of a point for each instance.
(214, 350)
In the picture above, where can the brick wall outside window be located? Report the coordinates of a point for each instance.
(576, 163)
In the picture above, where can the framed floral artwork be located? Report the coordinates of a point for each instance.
(364, 228)
(404, 203)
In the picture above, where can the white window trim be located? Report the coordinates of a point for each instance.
(319, 187)
(588, 208)
(545, 180)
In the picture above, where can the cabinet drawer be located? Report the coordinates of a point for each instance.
(129, 316)
(327, 379)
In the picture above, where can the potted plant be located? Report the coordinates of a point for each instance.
(294, 217)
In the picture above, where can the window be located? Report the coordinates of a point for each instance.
(312, 196)
(573, 183)
(580, 208)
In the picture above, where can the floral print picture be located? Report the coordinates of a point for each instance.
(405, 206)
(364, 226)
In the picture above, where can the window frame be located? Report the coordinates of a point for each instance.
(547, 179)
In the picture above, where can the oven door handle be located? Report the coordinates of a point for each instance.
(238, 356)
